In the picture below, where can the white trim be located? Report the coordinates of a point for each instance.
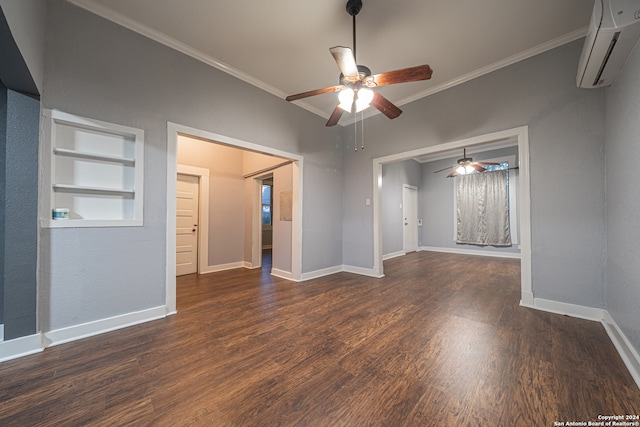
(520, 56)
(566, 309)
(287, 275)
(224, 267)
(478, 252)
(203, 212)
(162, 38)
(19, 347)
(1, 332)
(371, 272)
(84, 330)
(395, 254)
(521, 134)
(628, 354)
(322, 272)
(172, 176)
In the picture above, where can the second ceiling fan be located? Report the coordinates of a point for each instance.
(356, 81)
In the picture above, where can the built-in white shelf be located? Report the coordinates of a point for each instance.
(81, 189)
(93, 156)
(95, 171)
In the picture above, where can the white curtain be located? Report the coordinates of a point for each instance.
(483, 209)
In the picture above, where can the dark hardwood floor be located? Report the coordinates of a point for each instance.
(440, 341)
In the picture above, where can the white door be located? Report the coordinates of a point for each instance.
(410, 218)
(187, 188)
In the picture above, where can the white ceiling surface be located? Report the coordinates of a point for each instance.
(282, 46)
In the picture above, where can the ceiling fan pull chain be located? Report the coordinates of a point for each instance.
(362, 128)
(355, 133)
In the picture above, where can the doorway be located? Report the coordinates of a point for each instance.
(410, 218)
(266, 222)
(187, 222)
(521, 136)
(292, 240)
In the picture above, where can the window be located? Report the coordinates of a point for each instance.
(267, 201)
(512, 186)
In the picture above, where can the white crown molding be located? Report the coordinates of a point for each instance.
(150, 33)
(520, 56)
(162, 38)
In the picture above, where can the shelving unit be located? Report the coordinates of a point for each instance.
(96, 171)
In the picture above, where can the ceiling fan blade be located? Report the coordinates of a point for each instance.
(346, 62)
(477, 167)
(487, 163)
(412, 74)
(452, 174)
(335, 116)
(447, 168)
(329, 89)
(385, 106)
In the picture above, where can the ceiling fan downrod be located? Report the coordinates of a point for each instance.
(353, 8)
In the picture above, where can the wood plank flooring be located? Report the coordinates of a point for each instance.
(440, 341)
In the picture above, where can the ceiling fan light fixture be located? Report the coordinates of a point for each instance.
(346, 99)
(464, 169)
(364, 98)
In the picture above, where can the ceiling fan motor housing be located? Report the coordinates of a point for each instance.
(362, 73)
(353, 7)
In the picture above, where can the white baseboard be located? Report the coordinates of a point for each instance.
(370, 272)
(321, 273)
(223, 267)
(20, 347)
(393, 255)
(478, 252)
(76, 332)
(628, 354)
(284, 274)
(566, 309)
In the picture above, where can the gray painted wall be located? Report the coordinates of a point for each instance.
(622, 291)
(20, 215)
(3, 160)
(98, 69)
(436, 204)
(226, 196)
(394, 175)
(27, 21)
(566, 135)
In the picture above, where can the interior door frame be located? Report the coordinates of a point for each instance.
(175, 129)
(519, 134)
(203, 211)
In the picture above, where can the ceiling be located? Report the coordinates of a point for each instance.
(282, 46)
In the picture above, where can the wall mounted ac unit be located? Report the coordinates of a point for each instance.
(613, 32)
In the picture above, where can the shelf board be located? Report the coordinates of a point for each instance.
(89, 223)
(93, 156)
(84, 189)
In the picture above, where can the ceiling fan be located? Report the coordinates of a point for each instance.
(356, 81)
(466, 165)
